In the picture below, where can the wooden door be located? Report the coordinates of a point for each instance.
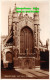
(9, 57)
(26, 40)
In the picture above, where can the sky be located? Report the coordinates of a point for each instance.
(43, 15)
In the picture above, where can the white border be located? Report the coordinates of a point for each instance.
(0, 37)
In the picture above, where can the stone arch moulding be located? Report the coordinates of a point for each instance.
(22, 23)
(9, 56)
(27, 27)
(6, 50)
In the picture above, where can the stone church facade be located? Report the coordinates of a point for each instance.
(22, 45)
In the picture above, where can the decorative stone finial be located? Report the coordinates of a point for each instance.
(47, 42)
(9, 10)
(21, 14)
(26, 12)
(15, 5)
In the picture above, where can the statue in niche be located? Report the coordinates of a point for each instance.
(16, 51)
(26, 51)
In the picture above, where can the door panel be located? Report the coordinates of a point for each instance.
(9, 57)
(26, 40)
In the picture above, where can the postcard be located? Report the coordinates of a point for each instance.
(25, 39)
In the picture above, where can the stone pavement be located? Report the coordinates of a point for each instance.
(35, 73)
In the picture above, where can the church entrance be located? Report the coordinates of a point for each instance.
(26, 40)
(9, 58)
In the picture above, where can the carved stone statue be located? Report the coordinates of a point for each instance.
(16, 51)
(27, 51)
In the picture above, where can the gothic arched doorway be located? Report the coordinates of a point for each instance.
(26, 40)
(9, 56)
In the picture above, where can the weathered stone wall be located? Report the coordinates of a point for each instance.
(24, 62)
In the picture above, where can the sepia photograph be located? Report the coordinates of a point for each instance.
(25, 39)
